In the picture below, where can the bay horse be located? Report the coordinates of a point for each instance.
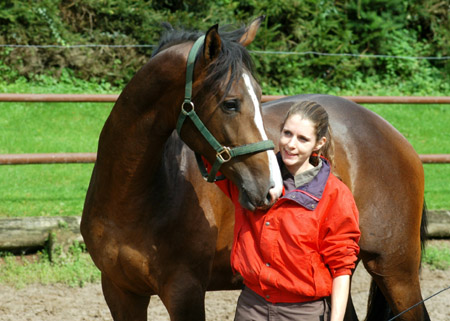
(153, 225)
(149, 222)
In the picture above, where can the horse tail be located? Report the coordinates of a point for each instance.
(423, 240)
(378, 308)
(424, 226)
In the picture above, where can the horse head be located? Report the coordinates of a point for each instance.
(226, 97)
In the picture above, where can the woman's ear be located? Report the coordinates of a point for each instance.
(320, 143)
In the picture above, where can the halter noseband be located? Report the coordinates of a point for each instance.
(223, 153)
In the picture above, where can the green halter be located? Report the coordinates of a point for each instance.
(223, 153)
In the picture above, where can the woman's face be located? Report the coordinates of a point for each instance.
(297, 143)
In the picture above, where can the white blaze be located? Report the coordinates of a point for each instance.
(275, 174)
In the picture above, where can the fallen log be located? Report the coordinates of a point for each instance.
(28, 233)
(439, 224)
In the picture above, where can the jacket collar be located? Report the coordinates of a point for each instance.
(309, 194)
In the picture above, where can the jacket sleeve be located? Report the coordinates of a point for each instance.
(339, 233)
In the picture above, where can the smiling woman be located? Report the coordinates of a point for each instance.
(304, 224)
(297, 142)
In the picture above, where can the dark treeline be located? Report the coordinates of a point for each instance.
(373, 27)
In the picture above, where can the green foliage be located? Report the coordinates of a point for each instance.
(389, 27)
(369, 27)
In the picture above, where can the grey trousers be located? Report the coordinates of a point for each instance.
(252, 307)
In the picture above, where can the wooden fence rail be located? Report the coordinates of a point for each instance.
(71, 158)
(59, 158)
(110, 98)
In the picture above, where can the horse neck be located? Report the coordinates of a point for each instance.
(132, 141)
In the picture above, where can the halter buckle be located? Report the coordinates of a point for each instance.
(224, 152)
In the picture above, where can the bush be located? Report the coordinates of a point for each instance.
(389, 27)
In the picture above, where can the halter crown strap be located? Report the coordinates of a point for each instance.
(223, 153)
(190, 69)
(188, 86)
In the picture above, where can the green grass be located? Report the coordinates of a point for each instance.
(426, 128)
(49, 190)
(74, 268)
(437, 256)
(51, 127)
(54, 190)
(43, 190)
(46, 190)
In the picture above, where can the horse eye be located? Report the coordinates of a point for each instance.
(231, 105)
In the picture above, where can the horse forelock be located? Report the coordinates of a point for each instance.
(229, 67)
(230, 63)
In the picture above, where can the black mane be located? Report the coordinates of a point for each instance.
(172, 37)
(233, 57)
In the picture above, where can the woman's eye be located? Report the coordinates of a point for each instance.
(231, 105)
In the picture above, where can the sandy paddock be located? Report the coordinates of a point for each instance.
(60, 302)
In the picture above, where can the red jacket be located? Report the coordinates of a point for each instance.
(292, 252)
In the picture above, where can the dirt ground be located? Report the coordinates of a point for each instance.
(59, 302)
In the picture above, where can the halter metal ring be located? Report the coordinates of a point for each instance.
(224, 152)
(184, 110)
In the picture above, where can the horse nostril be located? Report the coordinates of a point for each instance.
(268, 198)
(272, 196)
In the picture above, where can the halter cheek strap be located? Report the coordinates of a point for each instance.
(223, 153)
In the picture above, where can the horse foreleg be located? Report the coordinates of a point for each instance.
(183, 294)
(124, 305)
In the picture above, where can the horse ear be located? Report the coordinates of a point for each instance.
(250, 33)
(213, 44)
